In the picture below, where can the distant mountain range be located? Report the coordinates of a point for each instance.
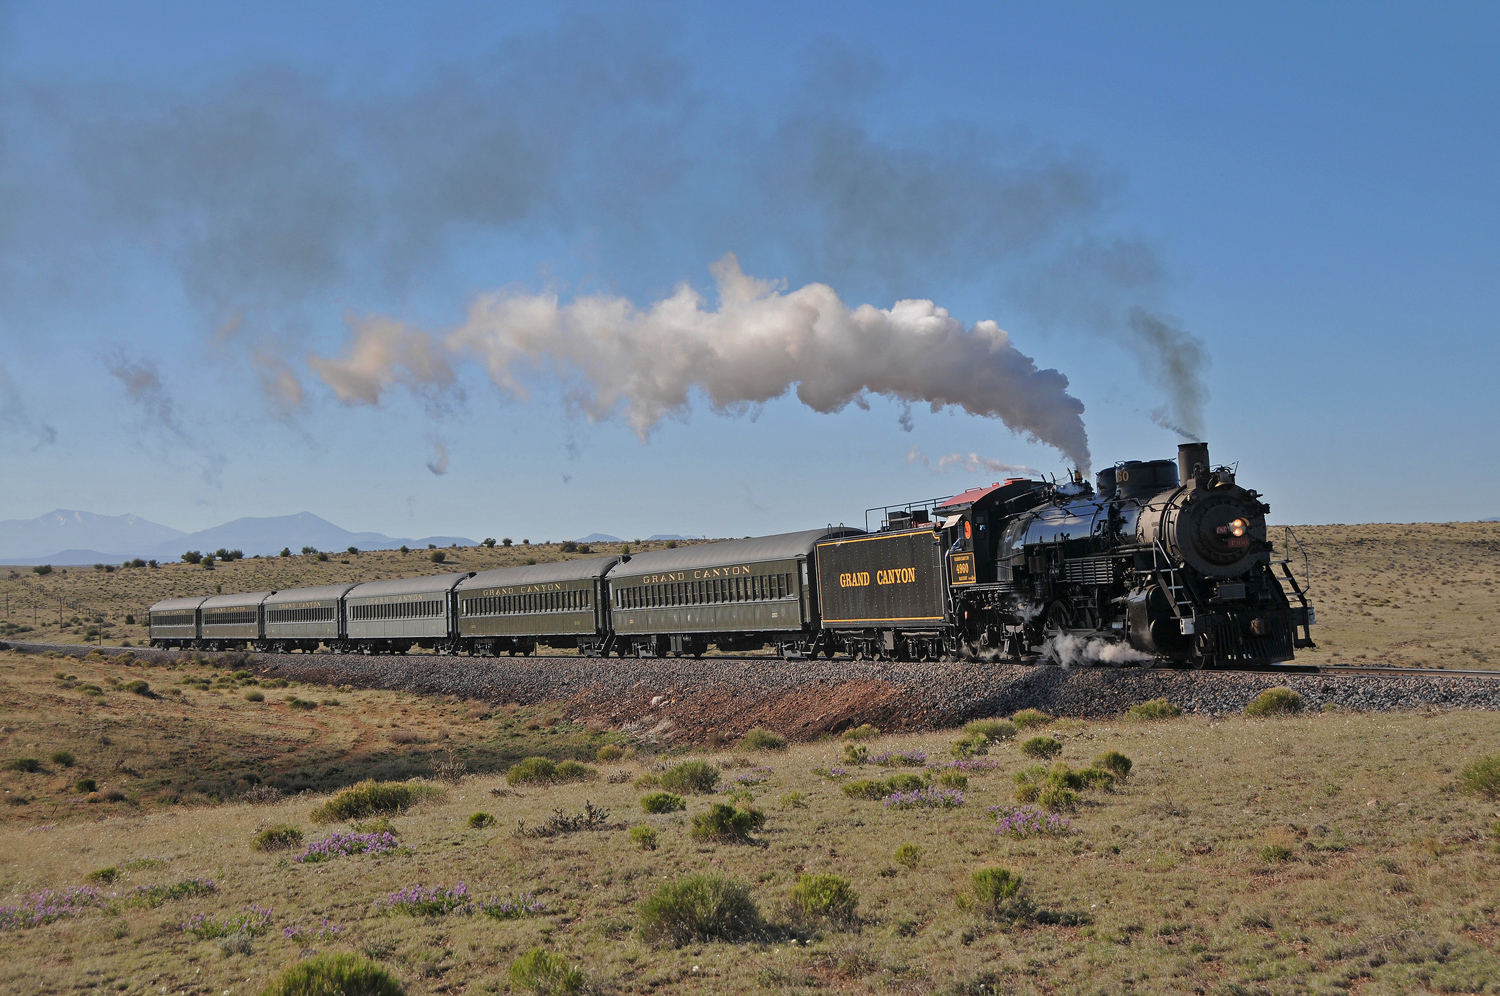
(607, 538)
(65, 537)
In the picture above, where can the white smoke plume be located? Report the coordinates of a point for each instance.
(761, 342)
(1070, 650)
(970, 463)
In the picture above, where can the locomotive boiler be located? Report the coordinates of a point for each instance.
(1163, 559)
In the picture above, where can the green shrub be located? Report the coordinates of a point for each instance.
(1145, 712)
(381, 824)
(85, 785)
(481, 821)
(643, 836)
(972, 745)
(334, 975)
(1098, 778)
(136, 687)
(862, 732)
(758, 739)
(827, 897)
(1276, 851)
(991, 729)
(531, 769)
(903, 781)
(950, 779)
(610, 752)
(103, 876)
(997, 891)
(662, 802)
(151, 896)
(1026, 792)
(794, 800)
(865, 788)
(876, 789)
(1044, 748)
(372, 799)
(1482, 777)
(690, 776)
(908, 855)
(255, 696)
(281, 837)
(699, 908)
(301, 705)
(727, 823)
(649, 780)
(1058, 799)
(572, 771)
(1063, 776)
(1027, 718)
(1114, 762)
(856, 753)
(1275, 702)
(541, 972)
(64, 758)
(27, 764)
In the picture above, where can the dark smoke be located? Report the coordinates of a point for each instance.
(277, 194)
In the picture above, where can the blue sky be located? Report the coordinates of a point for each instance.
(195, 200)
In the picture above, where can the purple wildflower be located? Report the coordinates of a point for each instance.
(900, 759)
(48, 905)
(419, 900)
(328, 931)
(252, 920)
(525, 904)
(1027, 821)
(974, 765)
(348, 843)
(928, 798)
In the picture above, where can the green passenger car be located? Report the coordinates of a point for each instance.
(514, 609)
(738, 595)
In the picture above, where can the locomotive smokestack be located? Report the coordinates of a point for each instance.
(1192, 460)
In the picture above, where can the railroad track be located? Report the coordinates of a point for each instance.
(1344, 669)
(1300, 669)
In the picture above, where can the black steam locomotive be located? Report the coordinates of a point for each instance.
(1163, 560)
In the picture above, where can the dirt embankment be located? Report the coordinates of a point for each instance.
(693, 700)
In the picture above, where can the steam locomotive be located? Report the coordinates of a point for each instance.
(1163, 559)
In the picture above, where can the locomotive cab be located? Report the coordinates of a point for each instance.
(1166, 558)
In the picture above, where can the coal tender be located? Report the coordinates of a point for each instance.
(1162, 560)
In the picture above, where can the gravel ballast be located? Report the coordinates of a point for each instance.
(677, 699)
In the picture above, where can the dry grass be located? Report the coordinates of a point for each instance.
(1316, 853)
(1420, 595)
(67, 601)
(200, 740)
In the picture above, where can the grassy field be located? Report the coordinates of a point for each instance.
(1317, 853)
(1417, 595)
(66, 605)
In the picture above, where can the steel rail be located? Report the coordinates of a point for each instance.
(1373, 670)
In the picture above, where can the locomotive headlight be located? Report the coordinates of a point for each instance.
(1238, 527)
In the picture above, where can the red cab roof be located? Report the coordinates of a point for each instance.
(972, 495)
